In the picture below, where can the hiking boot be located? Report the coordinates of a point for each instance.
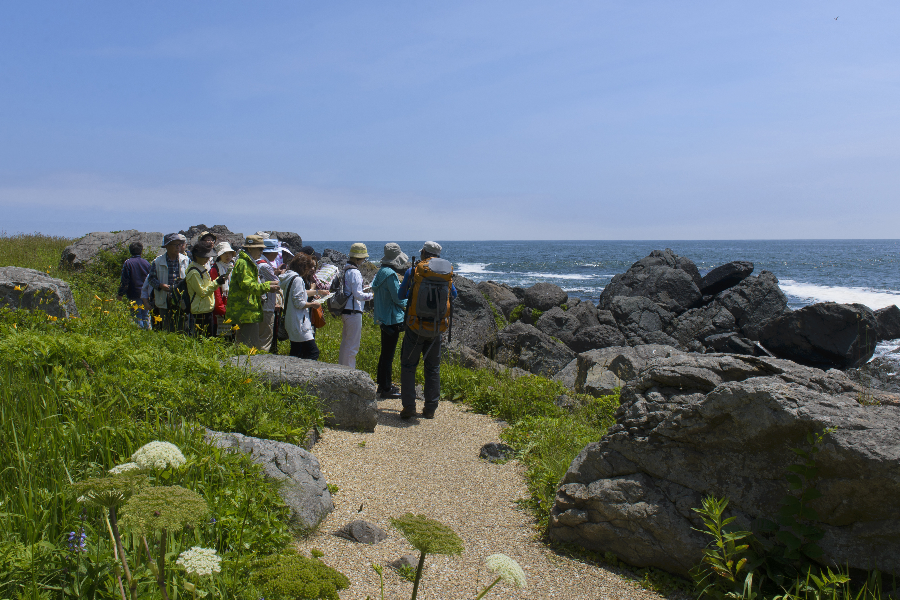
(407, 413)
(428, 412)
(393, 392)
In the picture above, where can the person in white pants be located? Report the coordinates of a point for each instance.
(352, 313)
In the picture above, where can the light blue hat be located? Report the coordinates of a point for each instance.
(272, 246)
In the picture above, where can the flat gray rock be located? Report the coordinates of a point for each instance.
(691, 426)
(304, 489)
(362, 532)
(600, 372)
(37, 291)
(347, 395)
(87, 248)
(528, 348)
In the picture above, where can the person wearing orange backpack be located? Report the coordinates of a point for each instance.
(428, 288)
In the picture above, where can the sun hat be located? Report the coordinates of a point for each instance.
(358, 250)
(393, 257)
(173, 237)
(254, 241)
(432, 248)
(199, 251)
(286, 250)
(271, 245)
(203, 234)
(222, 248)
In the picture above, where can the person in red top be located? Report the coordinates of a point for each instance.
(224, 263)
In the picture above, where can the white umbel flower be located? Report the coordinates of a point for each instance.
(123, 468)
(199, 561)
(507, 568)
(158, 455)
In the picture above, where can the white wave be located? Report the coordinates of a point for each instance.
(887, 348)
(872, 298)
(474, 268)
(575, 276)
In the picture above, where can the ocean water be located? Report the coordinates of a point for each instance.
(808, 271)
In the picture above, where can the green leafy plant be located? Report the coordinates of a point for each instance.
(291, 576)
(725, 571)
(428, 537)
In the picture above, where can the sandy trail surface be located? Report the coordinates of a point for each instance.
(431, 467)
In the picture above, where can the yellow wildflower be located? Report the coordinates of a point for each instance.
(157, 318)
(18, 288)
(228, 320)
(98, 297)
(105, 312)
(248, 380)
(252, 351)
(236, 327)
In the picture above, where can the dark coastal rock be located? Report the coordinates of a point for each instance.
(290, 239)
(362, 532)
(560, 324)
(605, 317)
(303, 487)
(663, 277)
(579, 329)
(692, 328)
(596, 336)
(334, 257)
(494, 452)
(222, 233)
(528, 348)
(544, 296)
(347, 395)
(691, 426)
(725, 276)
(36, 291)
(881, 374)
(823, 335)
(642, 321)
(473, 320)
(464, 356)
(501, 296)
(86, 249)
(600, 372)
(732, 343)
(519, 292)
(754, 302)
(568, 375)
(586, 313)
(888, 319)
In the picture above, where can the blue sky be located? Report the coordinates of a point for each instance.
(460, 120)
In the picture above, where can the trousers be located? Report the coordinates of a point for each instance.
(429, 349)
(351, 334)
(390, 335)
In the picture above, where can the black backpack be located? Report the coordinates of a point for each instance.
(337, 302)
(179, 298)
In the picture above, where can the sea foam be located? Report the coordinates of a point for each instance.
(870, 297)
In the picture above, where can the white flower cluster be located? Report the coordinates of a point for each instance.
(507, 568)
(199, 561)
(158, 455)
(119, 469)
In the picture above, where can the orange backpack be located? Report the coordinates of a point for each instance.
(428, 308)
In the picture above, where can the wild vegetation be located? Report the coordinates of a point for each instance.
(80, 397)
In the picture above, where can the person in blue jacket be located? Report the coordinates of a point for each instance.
(389, 311)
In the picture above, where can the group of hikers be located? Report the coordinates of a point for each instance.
(263, 292)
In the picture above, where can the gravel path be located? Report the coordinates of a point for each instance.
(431, 467)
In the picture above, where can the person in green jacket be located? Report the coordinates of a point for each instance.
(389, 313)
(244, 308)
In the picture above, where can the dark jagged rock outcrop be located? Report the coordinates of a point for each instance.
(754, 302)
(642, 321)
(725, 276)
(29, 289)
(83, 251)
(600, 372)
(663, 277)
(696, 425)
(290, 239)
(528, 348)
(501, 296)
(473, 320)
(222, 233)
(692, 328)
(303, 487)
(825, 335)
(888, 319)
(544, 296)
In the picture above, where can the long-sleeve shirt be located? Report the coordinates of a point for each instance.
(353, 287)
(388, 304)
(134, 272)
(267, 273)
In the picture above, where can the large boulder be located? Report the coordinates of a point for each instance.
(86, 249)
(669, 280)
(823, 335)
(35, 290)
(691, 426)
(596, 336)
(579, 329)
(754, 302)
(601, 372)
(528, 348)
(888, 319)
(347, 395)
(501, 296)
(367, 269)
(568, 375)
(692, 328)
(290, 239)
(222, 233)
(642, 321)
(725, 276)
(560, 324)
(544, 296)
(303, 487)
(473, 319)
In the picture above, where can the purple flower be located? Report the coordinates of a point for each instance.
(78, 541)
